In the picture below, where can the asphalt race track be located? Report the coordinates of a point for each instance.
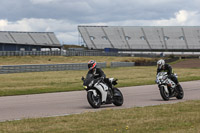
(65, 103)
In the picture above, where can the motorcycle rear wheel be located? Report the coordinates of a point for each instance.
(180, 93)
(94, 101)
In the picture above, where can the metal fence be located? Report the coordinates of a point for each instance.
(71, 53)
(88, 53)
(57, 67)
(122, 64)
(59, 53)
(92, 53)
(102, 53)
(30, 53)
(62, 53)
(46, 67)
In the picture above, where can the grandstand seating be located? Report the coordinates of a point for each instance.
(142, 37)
(32, 38)
(42, 38)
(6, 38)
(21, 38)
(137, 38)
(174, 41)
(100, 39)
(116, 37)
(155, 37)
(86, 37)
(53, 38)
(192, 35)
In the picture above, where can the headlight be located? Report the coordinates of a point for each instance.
(85, 87)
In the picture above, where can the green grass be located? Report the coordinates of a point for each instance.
(42, 82)
(181, 117)
(18, 60)
(177, 61)
(57, 81)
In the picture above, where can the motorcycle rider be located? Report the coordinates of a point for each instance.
(97, 72)
(162, 66)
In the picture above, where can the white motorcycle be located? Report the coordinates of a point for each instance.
(98, 92)
(167, 87)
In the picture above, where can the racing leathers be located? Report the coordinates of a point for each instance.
(167, 68)
(98, 73)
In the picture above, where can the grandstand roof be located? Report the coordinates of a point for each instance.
(29, 38)
(142, 38)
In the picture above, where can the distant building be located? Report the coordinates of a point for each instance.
(27, 41)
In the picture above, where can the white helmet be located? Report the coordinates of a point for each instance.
(160, 63)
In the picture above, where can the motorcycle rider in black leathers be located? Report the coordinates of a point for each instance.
(97, 72)
(162, 66)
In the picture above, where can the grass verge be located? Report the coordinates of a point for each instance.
(19, 60)
(59, 81)
(181, 117)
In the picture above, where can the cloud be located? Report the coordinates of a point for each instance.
(42, 1)
(63, 16)
(182, 18)
(3, 23)
(66, 30)
(91, 11)
(68, 37)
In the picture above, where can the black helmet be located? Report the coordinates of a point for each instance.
(92, 64)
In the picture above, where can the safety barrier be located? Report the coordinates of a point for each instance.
(72, 53)
(122, 64)
(30, 53)
(57, 67)
(45, 67)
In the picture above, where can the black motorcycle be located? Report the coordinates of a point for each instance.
(99, 92)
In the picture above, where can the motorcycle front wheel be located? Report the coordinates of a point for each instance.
(118, 99)
(164, 94)
(94, 101)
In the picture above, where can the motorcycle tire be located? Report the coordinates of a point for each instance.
(164, 94)
(94, 101)
(180, 93)
(118, 98)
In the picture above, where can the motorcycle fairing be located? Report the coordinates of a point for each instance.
(103, 89)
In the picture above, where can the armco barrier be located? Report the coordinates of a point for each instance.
(30, 53)
(46, 67)
(122, 64)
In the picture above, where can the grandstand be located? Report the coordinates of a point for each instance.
(27, 41)
(142, 38)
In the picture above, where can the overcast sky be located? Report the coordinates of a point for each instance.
(63, 16)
